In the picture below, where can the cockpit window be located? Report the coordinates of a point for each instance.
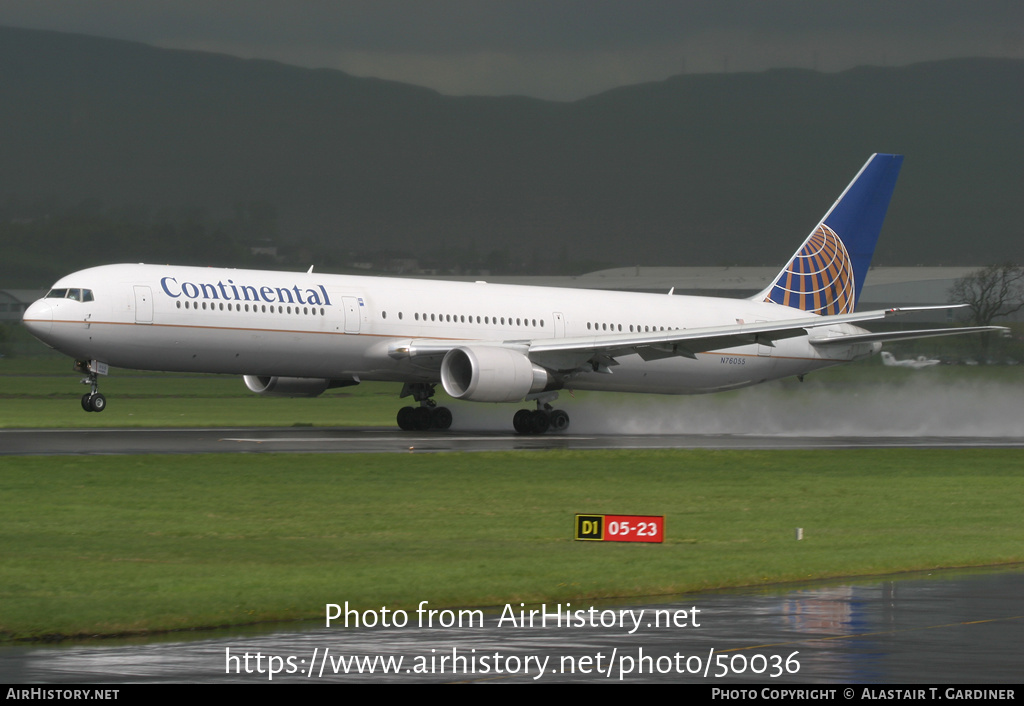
(77, 295)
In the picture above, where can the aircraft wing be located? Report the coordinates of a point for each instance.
(597, 352)
(573, 353)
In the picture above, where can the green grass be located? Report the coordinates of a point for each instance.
(118, 545)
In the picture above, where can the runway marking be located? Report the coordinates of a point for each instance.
(121, 440)
(398, 439)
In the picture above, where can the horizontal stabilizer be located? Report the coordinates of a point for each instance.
(900, 335)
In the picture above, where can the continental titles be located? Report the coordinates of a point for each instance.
(245, 292)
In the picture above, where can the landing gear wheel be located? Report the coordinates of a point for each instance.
(405, 421)
(559, 420)
(97, 402)
(421, 418)
(428, 416)
(85, 402)
(440, 418)
(521, 421)
(540, 421)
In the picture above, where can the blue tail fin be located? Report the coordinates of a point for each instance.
(826, 274)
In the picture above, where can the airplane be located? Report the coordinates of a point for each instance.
(917, 363)
(300, 334)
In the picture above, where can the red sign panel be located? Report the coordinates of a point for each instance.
(620, 528)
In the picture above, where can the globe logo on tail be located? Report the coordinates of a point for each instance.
(819, 279)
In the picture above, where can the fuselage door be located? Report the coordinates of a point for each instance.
(559, 321)
(143, 304)
(352, 314)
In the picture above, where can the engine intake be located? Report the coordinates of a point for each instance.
(492, 374)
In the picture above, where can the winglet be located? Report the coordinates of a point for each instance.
(826, 275)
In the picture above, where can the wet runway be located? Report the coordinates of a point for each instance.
(389, 440)
(946, 628)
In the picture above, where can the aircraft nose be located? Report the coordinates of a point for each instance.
(38, 318)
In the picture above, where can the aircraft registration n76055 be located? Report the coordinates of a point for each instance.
(302, 333)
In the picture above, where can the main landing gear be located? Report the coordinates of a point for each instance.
(428, 416)
(543, 419)
(91, 401)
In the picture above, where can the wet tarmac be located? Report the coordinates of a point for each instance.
(942, 628)
(389, 440)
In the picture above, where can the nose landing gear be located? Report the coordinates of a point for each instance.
(92, 401)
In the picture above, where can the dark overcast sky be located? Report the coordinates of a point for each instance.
(558, 49)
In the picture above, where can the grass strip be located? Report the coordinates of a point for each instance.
(120, 545)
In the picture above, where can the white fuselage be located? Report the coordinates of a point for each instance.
(314, 325)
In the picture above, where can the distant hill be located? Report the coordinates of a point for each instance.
(694, 170)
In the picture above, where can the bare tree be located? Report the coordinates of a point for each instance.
(990, 292)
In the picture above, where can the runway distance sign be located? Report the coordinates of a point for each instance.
(620, 528)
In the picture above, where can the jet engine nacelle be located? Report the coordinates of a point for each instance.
(491, 374)
(292, 387)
